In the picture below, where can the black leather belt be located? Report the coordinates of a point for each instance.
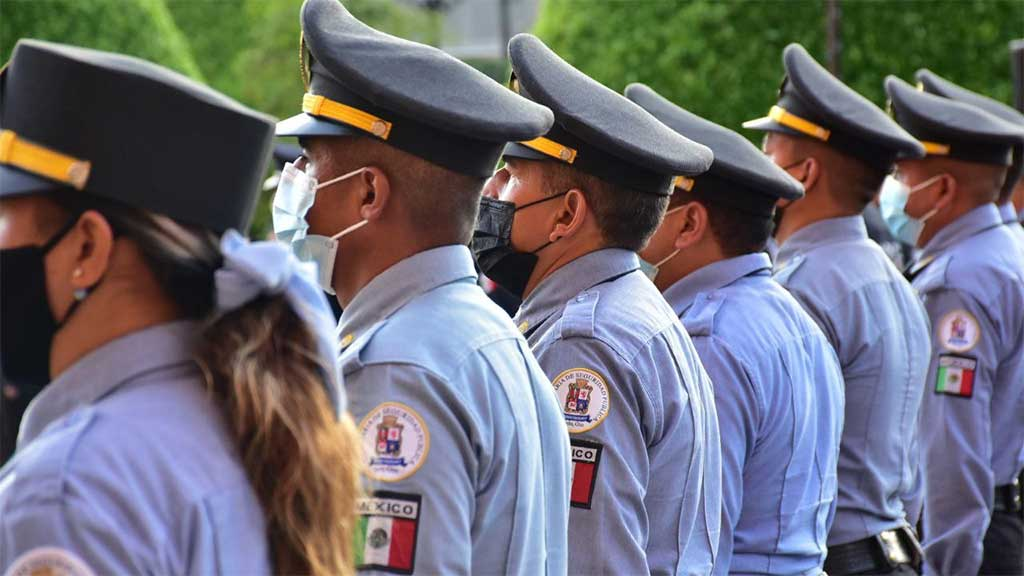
(878, 553)
(1008, 497)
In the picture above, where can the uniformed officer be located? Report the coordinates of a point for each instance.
(192, 416)
(575, 206)
(841, 146)
(972, 283)
(935, 84)
(464, 443)
(773, 369)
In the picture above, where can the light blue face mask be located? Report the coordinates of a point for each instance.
(296, 192)
(892, 202)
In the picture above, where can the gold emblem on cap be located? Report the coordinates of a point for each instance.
(378, 128)
(683, 183)
(935, 148)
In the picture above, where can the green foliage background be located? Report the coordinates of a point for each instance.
(722, 60)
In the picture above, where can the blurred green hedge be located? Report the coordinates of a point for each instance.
(722, 60)
(143, 28)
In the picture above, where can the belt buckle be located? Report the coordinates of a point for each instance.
(893, 548)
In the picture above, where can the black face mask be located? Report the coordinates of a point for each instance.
(27, 324)
(492, 245)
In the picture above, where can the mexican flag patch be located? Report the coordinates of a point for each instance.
(386, 538)
(955, 375)
(585, 458)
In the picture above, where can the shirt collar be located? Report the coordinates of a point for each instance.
(106, 368)
(828, 231)
(977, 220)
(714, 276)
(396, 286)
(582, 273)
(1008, 212)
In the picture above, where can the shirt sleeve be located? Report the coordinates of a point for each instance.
(739, 417)
(423, 454)
(67, 531)
(608, 500)
(956, 433)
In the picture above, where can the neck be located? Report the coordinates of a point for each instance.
(94, 321)
(795, 219)
(546, 268)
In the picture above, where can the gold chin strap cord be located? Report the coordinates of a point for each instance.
(935, 149)
(683, 183)
(40, 160)
(551, 148)
(789, 120)
(321, 106)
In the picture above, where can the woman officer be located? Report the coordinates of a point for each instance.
(191, 420)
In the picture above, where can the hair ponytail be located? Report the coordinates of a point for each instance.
(262, 367)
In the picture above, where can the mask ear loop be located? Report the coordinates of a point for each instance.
(351, 228)
(678, 250)
(339, 178)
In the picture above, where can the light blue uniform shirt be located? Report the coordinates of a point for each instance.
(463, 437)
(640, 410)
(779, 395)
(1010, 219)
(879, 330)
(125, 464)
(972, 423)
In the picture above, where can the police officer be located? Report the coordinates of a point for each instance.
(575, 206)
(935, 84)
(188, 376)
(972, 282)
(841, 146)
(464, 444)
(773, 369)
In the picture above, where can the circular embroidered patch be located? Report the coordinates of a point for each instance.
(395, 441)
(584, 398)
(959, 331)
(50, 561)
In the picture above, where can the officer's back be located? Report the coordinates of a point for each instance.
(778, 385)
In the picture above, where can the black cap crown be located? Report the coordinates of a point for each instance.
(409, 95)
(597, 130)
(128, 130)
(741, 176)
(816, 104)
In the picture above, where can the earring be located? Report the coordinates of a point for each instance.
(77, 273)
(80, 294)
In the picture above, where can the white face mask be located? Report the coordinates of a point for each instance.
(651, 270)
(296, 193)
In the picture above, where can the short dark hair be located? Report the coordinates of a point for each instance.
(442, 203)
(627, 218)
(736, 232)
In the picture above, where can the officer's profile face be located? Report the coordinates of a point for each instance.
(532, 226)
(19, 221)
(334, 208)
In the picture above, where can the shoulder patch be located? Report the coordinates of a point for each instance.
(395, 441)
(955, 375)
(783, 271)
(388, 526)
(958, 331)
(584, 397)
(49, 561)
(586, 457)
